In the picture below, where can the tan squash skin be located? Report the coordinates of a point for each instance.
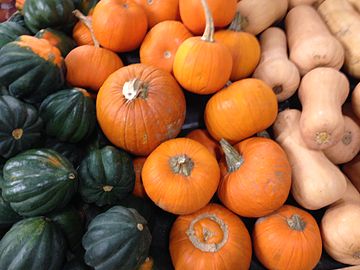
(260, 14)
(275, 68)
(293, 3)
(344, 22)
(316, 181)
(310, 43)
(349, 145)
(355, 3)
(351, 194)
(340, 232)
(355, 101)
(352, 170)
(322, 92)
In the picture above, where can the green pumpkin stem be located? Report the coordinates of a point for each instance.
(85, 20)
(295, 222)
(181, 164)
(210, 28)
(234, 159)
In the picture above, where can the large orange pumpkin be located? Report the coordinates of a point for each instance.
(244, 47)
(139, 190)
(241, 110)
(212, 238)
(203, 137)
(159, 51)
(202, 65)
(119, 25)
(181, 176)
(139, 107)
(255, 177)
(288, 239)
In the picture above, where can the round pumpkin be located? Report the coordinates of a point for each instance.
(140, 106)
(119, 25)
(9, 31)
(202, 136)
(241, 110)
(159, 51)
(257, 171)
(212, 238)
(289, 238)
(180, 176)
(139, 190)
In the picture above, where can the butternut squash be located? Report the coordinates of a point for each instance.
(294, 3)
(344, 22)
(322, 92)
(355, 100)
(275, 68)
(351, 194)
(355, 3)
(310, 43)
(257, 15)
(352, 170)
(316, 181)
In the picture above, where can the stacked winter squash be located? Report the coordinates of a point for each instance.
(94, 97)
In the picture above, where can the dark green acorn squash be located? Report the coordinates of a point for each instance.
(31, 68)
(58, 39)
(40, 14)
(85, 5)
(69, 115)
(145, 207)
(38, 181)
(9, 31)
(32, 244)
(7, 215)
(106, 176)
(96, 140)
(4, 91)
(20, 126)
(118, 239)
(75, 264)
(18, 18)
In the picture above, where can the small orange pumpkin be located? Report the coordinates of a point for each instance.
(139, 190)
(212, 238)
(181, 176)
(255, 177)
(119, 25)
(288, 239)
(244, 47)
(81, 33)
(159, 51)
(202, 65)
(203, 137)
(241, 110)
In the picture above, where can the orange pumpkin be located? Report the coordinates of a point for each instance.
(192, 16)
(81, 34)
(255, 177)
(244, 47)
(181, 176)
(139, 190)
(203, 137)
(139, 107)
(119, 25)
(89, 66)
(212, 238)
(159, 10)
(287, 239)
(159, 51)
(241, 110)
(202, 65)
(19, 4)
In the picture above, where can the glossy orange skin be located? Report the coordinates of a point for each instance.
(202, 67)
(177, 193)
(277, 246)
(235, 254)
(139, 190)
(245, 50)
(241, 110)
(192, 13)
(119, 25)
(159, 10)
(203, 137)
(141, 125)
(162, 39)
(81, 34)
(88, 66)
(262, 183)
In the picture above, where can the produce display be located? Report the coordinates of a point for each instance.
(179, 134)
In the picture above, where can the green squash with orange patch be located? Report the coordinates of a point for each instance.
(58, 39)
(31, 68)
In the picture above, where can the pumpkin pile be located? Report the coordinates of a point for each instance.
(97, 159)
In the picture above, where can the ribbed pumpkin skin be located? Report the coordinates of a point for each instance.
(40, 14)
(26, 74)
(20, 126)
(69, 115)
(7, 215)
(9, 31)
(106, 176)
(38, 181)
(32, 244)
(127, 240)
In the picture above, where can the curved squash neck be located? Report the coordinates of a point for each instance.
(234, 159)
(208, 35)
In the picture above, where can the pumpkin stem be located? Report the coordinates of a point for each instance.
(237, 23)
(17, 133)
(181, 165)
(208, 247)
(134, 89)
(72, 176)
(263, 134)
(85, 20)
(209, 29)
(140, 227)
(108, 188)
(295, 222)
(234, 159)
